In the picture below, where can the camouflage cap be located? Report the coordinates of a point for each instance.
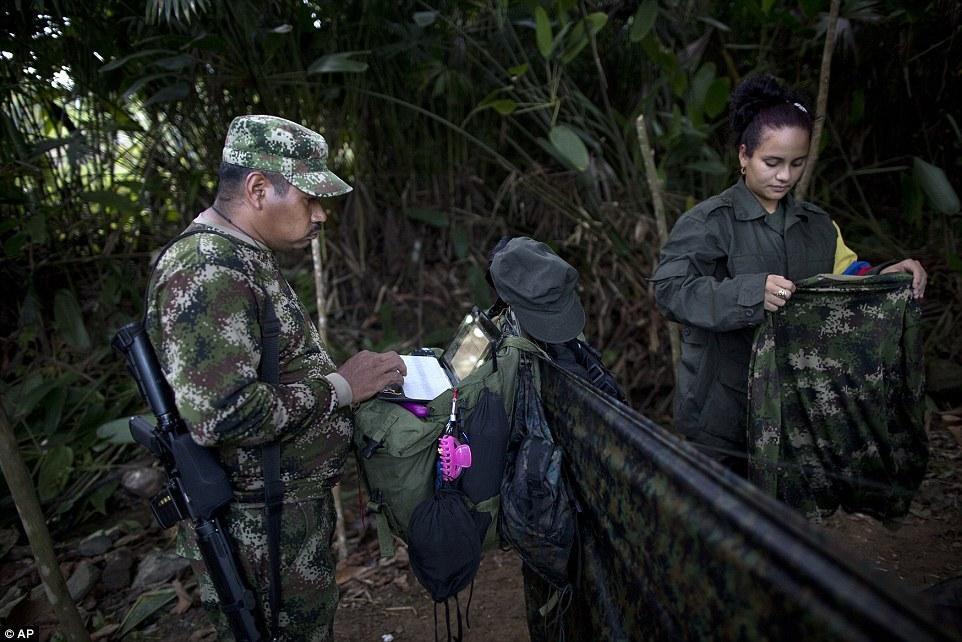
(277, 145)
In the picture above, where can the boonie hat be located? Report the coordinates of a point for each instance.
(278, 145)
(541, 289)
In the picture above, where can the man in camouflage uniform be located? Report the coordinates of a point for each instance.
(836, 397)
(206, 299)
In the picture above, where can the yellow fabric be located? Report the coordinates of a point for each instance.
(844, 256)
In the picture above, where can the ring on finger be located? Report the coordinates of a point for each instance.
(782, 294)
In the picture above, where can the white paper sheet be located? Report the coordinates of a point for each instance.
(425, 379)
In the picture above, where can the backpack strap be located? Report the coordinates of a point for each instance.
(525, 345)
(271, 464)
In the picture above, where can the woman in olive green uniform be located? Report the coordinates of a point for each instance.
(738, 254)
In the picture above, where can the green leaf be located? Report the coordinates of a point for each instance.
(116, 431)
(431, 217)
(69, 321)
(98, 498)
(913, 199)
(518, 70)
(542, 32)
(700, 84)
(169, 94)
(338, 63)
(145, 606)
(708, 20)
(569, 146)
(596, 21)
(460, 241)
(709, 166)
(858, 106)
(936, 187)
(120, 62)
(53, 409)
(139, 84)
(8, 539)
(577, 41)
(175, 63)
(716, 98)
(767, 6)
(478, 286)
(643, 20)
(110, 199)
(14, 245)
(425, 18)
(36, 227)
(503, 107)
(54, 472)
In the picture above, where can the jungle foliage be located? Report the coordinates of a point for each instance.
(457, 122)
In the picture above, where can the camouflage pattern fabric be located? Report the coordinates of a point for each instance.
(307, 566)
(836, 397)
(277, 145)
(203, 317)
(672, 546)
(203, 312)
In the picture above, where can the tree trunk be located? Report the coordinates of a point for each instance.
(321, 298)
(656, 188)
(820, 106)
(35, 525)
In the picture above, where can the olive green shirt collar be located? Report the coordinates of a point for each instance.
(748, 208)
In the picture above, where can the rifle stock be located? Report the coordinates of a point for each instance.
(197, 486)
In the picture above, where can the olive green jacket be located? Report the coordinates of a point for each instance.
(711, 279)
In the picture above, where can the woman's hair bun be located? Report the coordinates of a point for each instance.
(752, 95)
(760, 93)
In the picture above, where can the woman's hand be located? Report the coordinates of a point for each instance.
(778, 290)
(919, 276)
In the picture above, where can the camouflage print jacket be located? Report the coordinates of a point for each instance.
(203, 317)
(836, 397)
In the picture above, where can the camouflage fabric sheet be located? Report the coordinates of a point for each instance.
(836, 397)
(674, 547)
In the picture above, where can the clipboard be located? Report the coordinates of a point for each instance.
(429, 375)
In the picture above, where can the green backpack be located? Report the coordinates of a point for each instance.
(397, 451)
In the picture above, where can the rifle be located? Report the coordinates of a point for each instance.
(197, 487)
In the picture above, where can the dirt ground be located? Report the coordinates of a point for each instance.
(381, 601)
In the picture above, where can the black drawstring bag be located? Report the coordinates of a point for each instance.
(444, 547)
(488, 430)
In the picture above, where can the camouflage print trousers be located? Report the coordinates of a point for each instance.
(308, 587)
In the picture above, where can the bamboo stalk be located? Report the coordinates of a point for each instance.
(321, 298)
(820, 104)
(35, 525)
(661, 221)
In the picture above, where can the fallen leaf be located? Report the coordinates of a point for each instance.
(104, 631)
(145, 606)
(184, 601)
(203, 634)
(348, 573)
(8, 539)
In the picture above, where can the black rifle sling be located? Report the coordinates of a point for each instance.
(269, 372)
(271, 464)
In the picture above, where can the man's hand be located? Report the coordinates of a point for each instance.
(778, 290)
(369, 373)
(913, 267)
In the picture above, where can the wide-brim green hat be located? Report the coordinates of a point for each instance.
(541, 288)
(274, 144)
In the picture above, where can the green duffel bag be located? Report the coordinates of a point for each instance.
(397, 451)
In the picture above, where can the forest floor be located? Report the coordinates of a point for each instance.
(381, 601)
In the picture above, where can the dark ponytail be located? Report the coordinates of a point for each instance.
(761, 101)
